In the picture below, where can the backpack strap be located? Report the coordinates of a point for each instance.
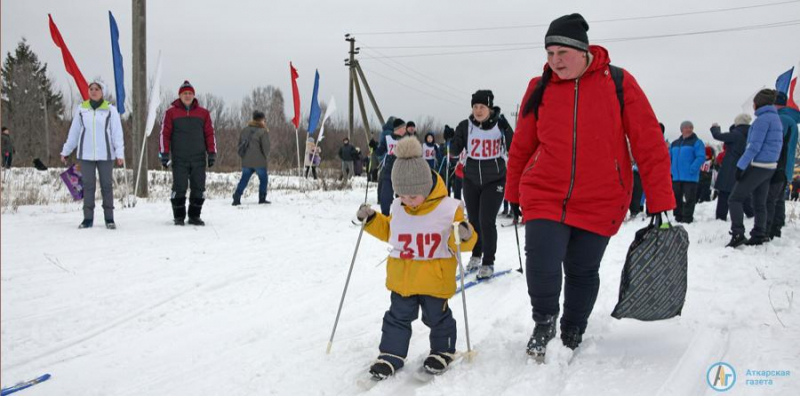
(535, 100)
(617, 75)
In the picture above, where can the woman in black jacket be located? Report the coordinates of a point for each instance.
(486, 137)
(735, 143)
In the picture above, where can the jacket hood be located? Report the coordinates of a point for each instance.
(425, 139)
(177, 103)
(790, 112)
(600, 61)
(255, 124)
(488, 123)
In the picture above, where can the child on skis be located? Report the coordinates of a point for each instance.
(421, 268)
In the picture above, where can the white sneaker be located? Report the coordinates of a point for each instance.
(474, 264)
(486, 271)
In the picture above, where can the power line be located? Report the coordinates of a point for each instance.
(595, 21)
(413, 89)
(528, 46)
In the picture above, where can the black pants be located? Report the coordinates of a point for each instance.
(636, 199)
(704, 189)
(189, 174)
(722, 206)
(795, 195)
(7, 160)
(776, 207)
(483, 202)
(548, 245)
(313, 170)
(755, 182)
(397, 326)
(685, 198)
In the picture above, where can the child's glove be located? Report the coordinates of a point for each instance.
(365, 211)
(464, 231)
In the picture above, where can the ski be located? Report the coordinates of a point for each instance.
(23, 385)
(466, 273)
(479, 281)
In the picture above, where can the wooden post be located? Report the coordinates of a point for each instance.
(367, 131)
(139, 112)
(350, 63)
(369, 93)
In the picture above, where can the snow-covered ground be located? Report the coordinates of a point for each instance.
(245, 306)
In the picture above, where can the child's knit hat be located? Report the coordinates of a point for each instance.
(411, 174)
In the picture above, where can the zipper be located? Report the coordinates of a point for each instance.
(94, 135)
(536, 158)
(480, 173)
(619, 175)
(574, 152)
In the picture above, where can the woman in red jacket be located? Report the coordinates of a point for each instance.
(570, 172)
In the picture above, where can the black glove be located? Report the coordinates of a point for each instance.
(740, 173)
(373, 144)
(164, 157)
(212, 158)
(449, 133)
(515, 210)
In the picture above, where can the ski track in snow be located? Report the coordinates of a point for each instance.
(246, 304)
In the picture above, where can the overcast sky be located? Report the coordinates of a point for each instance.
(229, 47)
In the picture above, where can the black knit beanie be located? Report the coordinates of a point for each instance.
(398, 122)
(484, 97)
(568, 31)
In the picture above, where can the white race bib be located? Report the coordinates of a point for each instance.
(483, 145)
(422, 237)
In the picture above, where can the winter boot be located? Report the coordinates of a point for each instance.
(437, 362)
(86, 223)
(485, 271)
(110, 224)
(195, 207)
(473, 264)
(756, 241)
(736, 240)
(571, 336)
(237, 200)
(262, 199)
(385, 366)
(543, 332)
(178, 210)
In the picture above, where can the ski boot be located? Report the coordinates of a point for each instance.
(485, 272)
(437, 362)
(383, 367)
(473, 264)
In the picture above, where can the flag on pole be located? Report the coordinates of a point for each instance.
(295, 97)
(155, 99)
(69, 62)
(793, 94)
(313, 116)
(116, 54)
(783, 81)
(331, 108)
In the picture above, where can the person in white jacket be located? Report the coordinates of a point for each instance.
(96, 132)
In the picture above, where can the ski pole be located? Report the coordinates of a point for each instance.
(457, 238)
(346, 283)
(516, 233)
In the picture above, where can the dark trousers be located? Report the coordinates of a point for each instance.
(263, 181)
(685, 198)
(548, 245)
(397, 325)
(189, 174)
(7, 160)
(704, 189)
(385, 195)
(755, 182)
(722, 206)
(776, 207)
(483, 202)
(636, 198)
(90, 169)
(795, 195)
(313, 170)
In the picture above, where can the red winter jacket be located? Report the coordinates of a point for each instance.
(580, 173)
(187, 134)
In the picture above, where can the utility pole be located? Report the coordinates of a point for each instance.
(349, 63)
(140, 90)
(355, 73)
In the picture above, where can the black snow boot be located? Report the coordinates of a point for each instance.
(195, 207)
(381, 369)
(756, 241)
(543, 332)
(571, 336)
(736, 240)
(237, 200)
(86, 223)
(262, 199)
(437, 362)
(178, 210)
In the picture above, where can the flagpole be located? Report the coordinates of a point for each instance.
(299, 164)
(139, 172)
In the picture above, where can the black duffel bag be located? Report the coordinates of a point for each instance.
(654, 281)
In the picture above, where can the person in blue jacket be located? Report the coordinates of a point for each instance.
(776, 203)
(386, 152)
(687, 154)
(755, 170)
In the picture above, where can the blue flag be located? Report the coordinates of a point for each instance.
(783, 81)
(313, 117)
(119, 76)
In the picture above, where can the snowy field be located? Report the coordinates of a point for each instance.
(245, 306)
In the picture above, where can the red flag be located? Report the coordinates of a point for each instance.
(792, 102)
(295, 96)
(69, 63)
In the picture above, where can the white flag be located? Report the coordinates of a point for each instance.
(331, 108)
(155, 99)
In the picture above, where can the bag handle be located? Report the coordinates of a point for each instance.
(657, 222)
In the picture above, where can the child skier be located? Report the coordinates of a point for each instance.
(421, 268)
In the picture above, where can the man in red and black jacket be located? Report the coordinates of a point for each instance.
(188, 135)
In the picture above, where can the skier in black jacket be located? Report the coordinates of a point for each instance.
(486, 137)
